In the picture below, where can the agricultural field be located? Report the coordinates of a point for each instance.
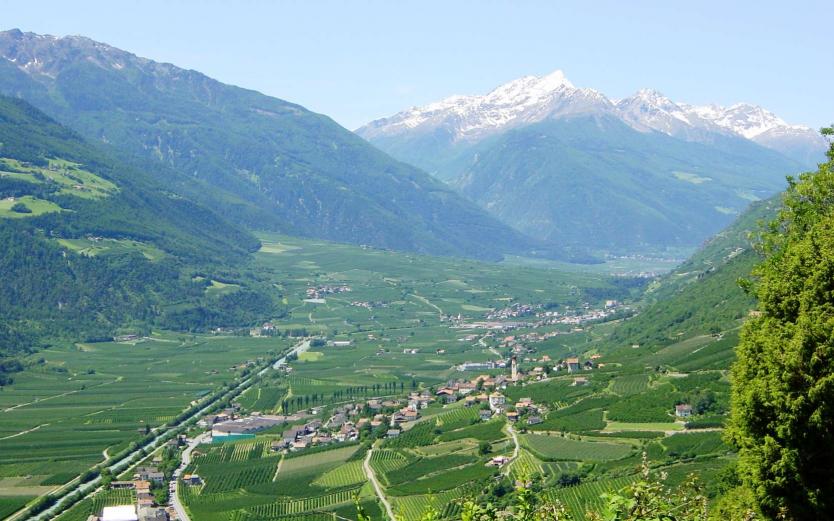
(558, 448)
(266, 486)
(381, 325)
(82, 510)
(77, 403)
(70, 177)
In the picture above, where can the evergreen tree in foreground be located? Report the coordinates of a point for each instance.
(782, 419)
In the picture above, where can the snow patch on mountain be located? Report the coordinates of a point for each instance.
(531, 99)
(525, 100)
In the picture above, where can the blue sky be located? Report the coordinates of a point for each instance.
(360, 60)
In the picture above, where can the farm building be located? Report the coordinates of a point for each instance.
(573, 365)
(683, 410)
(192, 479)
(476, 366)
(498, 461)
(243, 426)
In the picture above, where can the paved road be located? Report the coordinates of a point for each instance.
(185, 461)
(186, 453)
(297, 350)
(378, 489)
(161, 435)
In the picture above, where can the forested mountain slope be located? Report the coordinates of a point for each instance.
(261, 161)
(91, 245)
(703, 295)
(595, 181)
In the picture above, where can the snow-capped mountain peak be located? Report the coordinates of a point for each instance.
(531, 99)
(528, 89)
(743, 119)
(525, 100)
(649, 109)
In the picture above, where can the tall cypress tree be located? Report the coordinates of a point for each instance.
(782, 419)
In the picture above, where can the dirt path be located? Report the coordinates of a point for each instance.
(514, 457)
(27, 431)
(427, 302)
(278, 468)
(515, 441)
(377, 489)
(67, 393)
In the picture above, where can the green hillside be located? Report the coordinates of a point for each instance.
(91, 245)
(261, 161)
(700, 298)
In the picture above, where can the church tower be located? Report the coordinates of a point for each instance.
(514, 365)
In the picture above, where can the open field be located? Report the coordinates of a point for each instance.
(33, 204)
(105, 246)
(78, 401)
(70, 177)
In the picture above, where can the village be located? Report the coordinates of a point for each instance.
(356, 421)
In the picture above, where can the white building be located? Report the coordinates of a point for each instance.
(119, 513)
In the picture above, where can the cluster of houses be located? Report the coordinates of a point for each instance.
(348, 420)
(320, 292)
(266, 329)
(513, 311)
(581, 317)
(454, 389)
(303, 436)
(145, 508)
(536, 373)
(369, 305)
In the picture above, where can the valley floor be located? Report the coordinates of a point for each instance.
(383, 329)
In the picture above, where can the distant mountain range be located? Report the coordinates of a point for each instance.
(568, 165)
(258, 161)
(534, 99)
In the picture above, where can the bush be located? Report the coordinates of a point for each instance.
(21, 208)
